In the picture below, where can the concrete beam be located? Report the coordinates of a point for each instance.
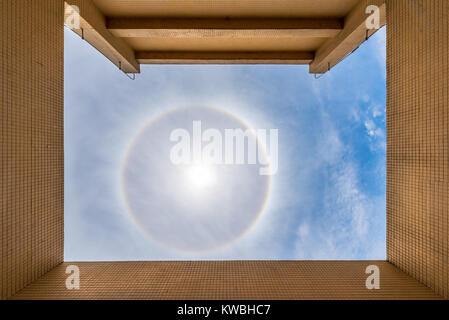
(93, 30)
(350, 38)
(193, 57)
(174, 27)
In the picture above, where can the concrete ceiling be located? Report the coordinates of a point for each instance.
(226, 8)
(133, 32)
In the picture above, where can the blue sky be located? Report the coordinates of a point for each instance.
(327, 199)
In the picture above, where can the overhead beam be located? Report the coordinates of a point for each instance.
(354, 33)
(185, 28)
(93, 29)
(193, 57)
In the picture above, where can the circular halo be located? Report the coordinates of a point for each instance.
(191, 208)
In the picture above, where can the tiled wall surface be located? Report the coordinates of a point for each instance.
(418, 139)
(227, 280)
(32, 158)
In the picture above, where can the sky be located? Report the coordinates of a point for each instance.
(325, 202)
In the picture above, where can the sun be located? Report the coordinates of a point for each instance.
(200, 176)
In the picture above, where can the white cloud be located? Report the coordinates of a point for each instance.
(377, 113)
(370, 127)
(342, 230)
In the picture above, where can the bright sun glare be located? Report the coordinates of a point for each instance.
(201, 176)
